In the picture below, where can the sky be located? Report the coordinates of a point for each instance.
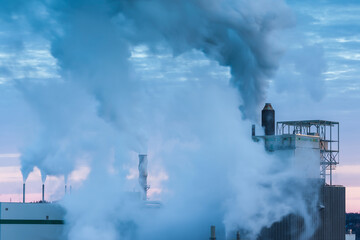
(326, 33)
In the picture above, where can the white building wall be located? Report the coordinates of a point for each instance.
(350, 237)
(31, 221)
(302, 150)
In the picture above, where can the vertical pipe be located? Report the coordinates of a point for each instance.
(65, 189)
(338, 147)
(23, 192)
(331, 155)
(212, 233)
(253, 130)
(43, 193)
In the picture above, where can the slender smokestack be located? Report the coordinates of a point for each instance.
(65, 189)
(23, 192)
(143, 174)
(212, 233)
(253, 130)
(43, 193)
(268, 119)
(237, 235)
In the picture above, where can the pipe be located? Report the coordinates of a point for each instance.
(65, 189)
(212, 233)
(23, 192)
(253, 130)
(43, 193)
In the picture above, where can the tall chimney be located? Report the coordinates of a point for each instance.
(268, 119)
(65, 189)
(143, 174)
(237, 235)
(23, 192)
(212, 233)
(43, 193)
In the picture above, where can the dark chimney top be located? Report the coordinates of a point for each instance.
(268, 119)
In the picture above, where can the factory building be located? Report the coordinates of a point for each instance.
(44, 220)
(313, 146)
(21, 221)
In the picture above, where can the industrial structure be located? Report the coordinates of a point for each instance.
(143, 175)
(328, 135)
(313, 145)
(31, 221)
(44, 220)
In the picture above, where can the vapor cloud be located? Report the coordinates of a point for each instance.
(100, 110)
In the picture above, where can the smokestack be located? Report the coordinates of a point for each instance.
(65, 189)
(253, 130)
(237, 235)
(268, 119)
(143, 174)
(212, 233)
(43, 193)
(23, 192)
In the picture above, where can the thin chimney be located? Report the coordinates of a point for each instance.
(212, 233)
(237, 235)
(23, 192)
(43, 193)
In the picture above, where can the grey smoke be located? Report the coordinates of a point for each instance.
(100, 108)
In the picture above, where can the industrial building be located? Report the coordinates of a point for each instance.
(31, 221)
(44, 220)
(313, 145)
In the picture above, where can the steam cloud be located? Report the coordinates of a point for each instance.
(100, 110)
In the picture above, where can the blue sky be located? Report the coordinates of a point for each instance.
(326, 37)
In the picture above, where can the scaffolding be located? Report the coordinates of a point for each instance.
(328, 133)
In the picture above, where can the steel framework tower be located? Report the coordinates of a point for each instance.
(328, 133)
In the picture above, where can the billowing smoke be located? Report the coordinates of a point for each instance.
(100, 109)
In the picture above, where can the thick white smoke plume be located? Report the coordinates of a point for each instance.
(100, 109)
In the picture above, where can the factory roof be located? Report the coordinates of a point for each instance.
(308, 122)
